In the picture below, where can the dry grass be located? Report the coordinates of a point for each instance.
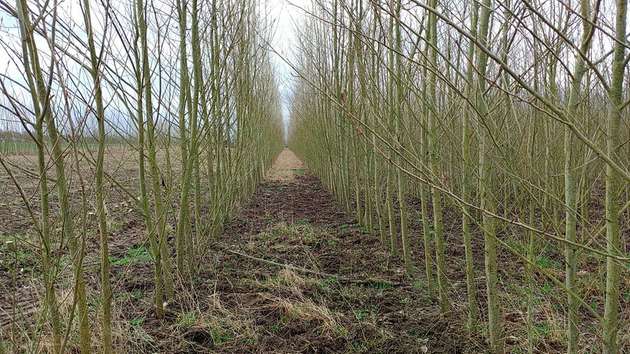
(286, 167)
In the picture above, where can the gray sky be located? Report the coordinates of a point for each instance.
(286, 17)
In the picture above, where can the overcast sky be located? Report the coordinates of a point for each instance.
(286, 16)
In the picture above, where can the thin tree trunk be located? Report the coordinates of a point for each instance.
(106, 291)
(471, 287)
(614, 184)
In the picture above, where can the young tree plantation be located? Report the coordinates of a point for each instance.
(339, 176)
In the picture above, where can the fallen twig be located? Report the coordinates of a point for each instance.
(310, 271)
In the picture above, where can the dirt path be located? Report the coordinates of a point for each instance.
(286, 167)
(258, 307)
(354, 300)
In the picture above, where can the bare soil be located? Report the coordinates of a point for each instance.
(292, 273)
(249, 305)
(286, 167)
(354, 299)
